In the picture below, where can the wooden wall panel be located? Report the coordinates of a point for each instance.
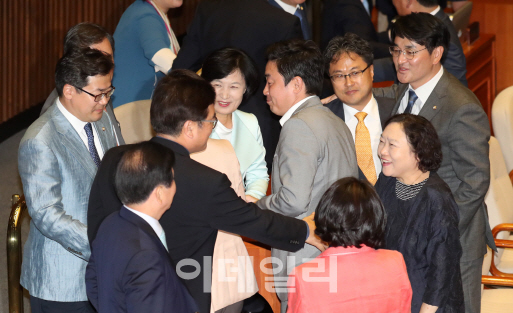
(31, 37)
(496, 17)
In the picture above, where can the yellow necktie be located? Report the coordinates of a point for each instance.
(363, 149)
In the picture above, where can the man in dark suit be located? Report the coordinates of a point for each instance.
(427, 89)
(349, 64)
(182, 114)
(296, 8)
(94, 36)
(350, 16)
(250, 25)
(454, 61)
(130, 269)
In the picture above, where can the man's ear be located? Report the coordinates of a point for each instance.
(68, 91)
(436, 55)
(188, 129)
(297, 84)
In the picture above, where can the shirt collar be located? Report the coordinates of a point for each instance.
(77, 124)
(371, 108)
(157, 228)
(287, 7)
(425, 90)
(291, 111)
(435, 10)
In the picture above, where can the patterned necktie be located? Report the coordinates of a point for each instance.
(162, 238)
(412, 97)
(304, 22)
(90, 141)
(363, 149)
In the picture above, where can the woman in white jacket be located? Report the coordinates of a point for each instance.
(234, 77)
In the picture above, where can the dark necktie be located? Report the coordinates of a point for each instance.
(92, 148)
(412, 97)
(300, 12)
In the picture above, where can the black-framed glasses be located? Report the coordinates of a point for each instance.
(98, 98)
(353, 75)
(214, 122)
(408, 53)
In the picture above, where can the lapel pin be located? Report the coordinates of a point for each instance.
(434, 107)
(103, 128)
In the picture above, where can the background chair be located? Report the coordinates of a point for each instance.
(134, 120)
(502, 120)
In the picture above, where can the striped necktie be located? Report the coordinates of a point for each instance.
(90, 141)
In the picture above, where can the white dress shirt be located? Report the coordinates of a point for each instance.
(155, 225)
(423, 93)
(291, 111)
(223, 132)
(78, 125)
(287, 7)
(373, 123)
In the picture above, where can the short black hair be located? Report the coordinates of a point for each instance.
(349, 43)
(76, 66)
(428, 3)
(180, 96)
(350, 213)
(142, 168)
(423, 28)
(423, 139)
(223, 62)
(85, 35)
(299, 58)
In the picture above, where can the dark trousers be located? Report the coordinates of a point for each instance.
(471, 277)
(45, 306)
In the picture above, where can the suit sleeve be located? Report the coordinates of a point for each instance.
(298, 165)
(468, 141)
(40, 175)
(189, 56)
(257, 178)
(91, 280)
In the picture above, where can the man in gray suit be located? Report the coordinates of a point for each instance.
(58, 158)
(427, 89)
(94, 36)
(315, 147)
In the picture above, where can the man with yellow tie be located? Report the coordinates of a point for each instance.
(349, 64)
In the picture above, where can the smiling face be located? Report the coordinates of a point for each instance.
(82, 105)
(280, 97)
(397, 158)
(229, 92)
(355, 92)
(421, 68)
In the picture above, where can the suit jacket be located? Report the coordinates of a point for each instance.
(203, 204)
(376, 282)
(385, 107)
(315, 149)
(252, 26)
(221, 157)
(114, 124)
(130, 270)
(464, 131)
(247, 141)
(349, 16)
(455, 62)
(57, 171)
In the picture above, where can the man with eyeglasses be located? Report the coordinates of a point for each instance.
(58, 159)
(348, 61)
(426, 88)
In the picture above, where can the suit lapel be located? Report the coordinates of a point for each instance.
(104, 130)
(385, 108)
(70, 139)
(435, 102)
(402, 88)
(244, 143)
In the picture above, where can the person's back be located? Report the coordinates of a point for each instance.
(351, 280)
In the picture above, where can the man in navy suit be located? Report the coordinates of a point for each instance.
(130, 269)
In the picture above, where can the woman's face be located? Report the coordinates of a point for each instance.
(229, 92)
(397, 158)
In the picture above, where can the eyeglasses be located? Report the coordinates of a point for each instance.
(353, 75)
(98, 98)
(408, 52)
(214, 122)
